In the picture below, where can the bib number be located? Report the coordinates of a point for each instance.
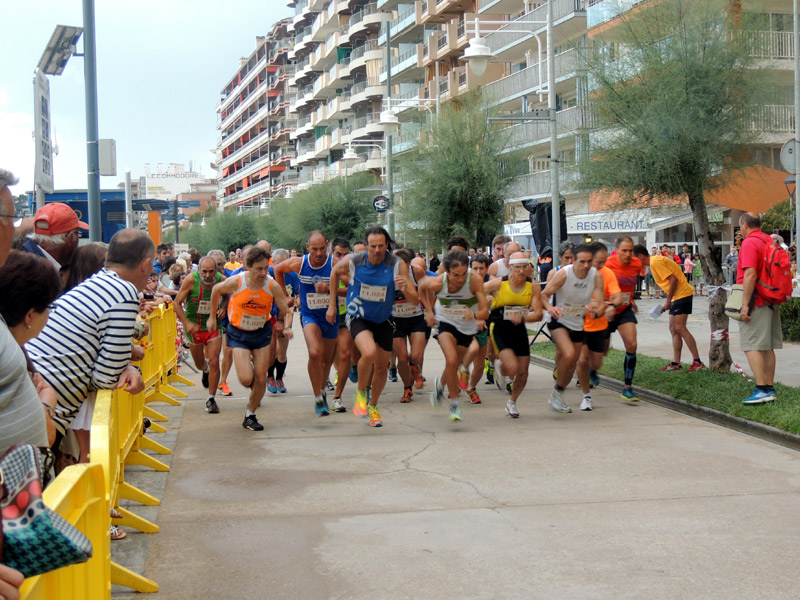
(204, 307)
(573, 309)
(405, 309)
(454, 311)
(372, 293)
(253, 322)
(317, 301)
(508, 311)
(341, 301)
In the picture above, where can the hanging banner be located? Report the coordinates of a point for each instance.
(43, 176)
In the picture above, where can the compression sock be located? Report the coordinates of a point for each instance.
(280, 369)
(630, 367)
(271, 370)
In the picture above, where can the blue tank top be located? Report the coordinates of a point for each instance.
(370, 295)
(311, 302)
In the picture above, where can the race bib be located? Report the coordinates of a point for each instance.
(252, 322)
(204, 307)
(454, 311)
(508, 311)
(372, 293)
(626, 298)
(341, 301)
(405, 309)
(317, 301)
(573, 309)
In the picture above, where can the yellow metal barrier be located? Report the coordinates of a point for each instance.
(78, 495)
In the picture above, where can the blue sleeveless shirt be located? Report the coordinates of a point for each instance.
(371, 292)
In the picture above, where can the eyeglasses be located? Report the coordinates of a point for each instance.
(17, 218)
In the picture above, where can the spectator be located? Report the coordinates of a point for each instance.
(688, 267)
(56, 231)
(162, 253)
(86, 261)
(30, 285)
(22, 418)
(697, 275)
(730, 265)
(760, 328)
(86, 345)
(433, 262)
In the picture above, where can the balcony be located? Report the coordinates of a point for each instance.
(769, 45)
(569, 21)
(366, 125)
(337, 74)
(528, 81)
(369, 50)
(367, 18)
(603, 11)
(339, 107)
(772, 119)
(533, 133)
(405, 66)
(367, 89)
(401, 24)
(540, 184)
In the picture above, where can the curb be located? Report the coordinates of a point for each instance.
(752, 428)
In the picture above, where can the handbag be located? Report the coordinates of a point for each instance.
(733, 306)
(35, 539)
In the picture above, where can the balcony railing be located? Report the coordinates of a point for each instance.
(369, 119)
(444, 85)
(442, 40)
(540, 183)
(503, 37)
(359, 51)
(396, 60)
(359, 87)
(772, 118)
(769, 45)
(537, 132)
(461, 30)
(462, 76)
(359, 15)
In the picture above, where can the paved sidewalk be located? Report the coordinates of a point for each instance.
(626, 501)
(654, 339)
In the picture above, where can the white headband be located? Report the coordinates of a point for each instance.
(519, 261)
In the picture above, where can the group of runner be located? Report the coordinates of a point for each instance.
(365, 307)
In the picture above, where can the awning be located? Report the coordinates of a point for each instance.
(753, 189)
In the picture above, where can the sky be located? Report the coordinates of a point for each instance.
(160, 67)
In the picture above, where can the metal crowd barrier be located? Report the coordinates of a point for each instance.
(83, 494)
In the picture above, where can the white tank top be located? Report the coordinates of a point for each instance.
(573, 297)
(449, 307)
(502, 269)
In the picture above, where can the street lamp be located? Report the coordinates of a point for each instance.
(791, 180)
(389, 121)
(477, 56)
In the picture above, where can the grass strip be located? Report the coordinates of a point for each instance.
(721, 391)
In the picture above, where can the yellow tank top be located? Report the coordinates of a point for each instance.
(506, 297)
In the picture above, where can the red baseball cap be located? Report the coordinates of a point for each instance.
(56, 218)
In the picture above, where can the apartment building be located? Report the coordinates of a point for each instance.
(254, 148)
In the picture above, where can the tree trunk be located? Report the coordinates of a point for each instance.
(719, 356)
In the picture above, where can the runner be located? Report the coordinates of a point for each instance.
(249, 331)
(340, 248)
(669, 277)
(501, 268)
(280, 342)
(373, 277)
(227, 353)
(626, 268)
(595, 329)
(476, 354)
(460, 304)
(419, 381)
(204, 345)
(566, 256)
(314, 270)
(571, 292)
(409, 329)
(516, 301)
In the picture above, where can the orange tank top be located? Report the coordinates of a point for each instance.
(248, 309)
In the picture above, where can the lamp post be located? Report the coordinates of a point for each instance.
(477, 56)
(791, 187)
(796, 36)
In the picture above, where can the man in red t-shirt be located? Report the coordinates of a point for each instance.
(760, 327)
(627, 269)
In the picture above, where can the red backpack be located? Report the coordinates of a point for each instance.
(774, 282)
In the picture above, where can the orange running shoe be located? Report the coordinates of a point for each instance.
(418, 382)
(374, 416)
(463, 377)
(408, 395)
(223, 387)
(473, 396)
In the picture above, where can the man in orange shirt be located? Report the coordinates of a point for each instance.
(627, 269)
(669, 277)
(595, 329)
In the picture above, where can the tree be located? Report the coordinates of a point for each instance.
(779, 217)
(456, 176)
(673, 106)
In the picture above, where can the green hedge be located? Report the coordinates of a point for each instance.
(790, 320)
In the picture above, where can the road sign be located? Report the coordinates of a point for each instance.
(380, 204)
(788, 153)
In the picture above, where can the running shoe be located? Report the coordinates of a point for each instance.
(696, 366)
(419, 382)
(321, 407)
(510, 387)
(463, 377)
(759, 397)
(586, 403)
(338, 406)
(223, 387)
(271, 387)
(489, 372)
(392, 374)
(557, 402)
(374, 416)
(499, 378)
(594, 379)
(511, 409)
(205, 379)
(455, 411)
(555, 373)
(672, 367)
(280, 386)
(360, 404)
(473, 396)
(211, 406)
(329, 386)
(408, 395)
(438, 392)
(353, 375)
(252, 424)
(629, 395)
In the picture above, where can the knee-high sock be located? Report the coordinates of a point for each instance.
(630, 367)
(280, 369)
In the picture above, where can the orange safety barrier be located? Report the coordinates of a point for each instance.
(78, 495)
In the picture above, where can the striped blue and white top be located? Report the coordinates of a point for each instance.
(86, 343)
